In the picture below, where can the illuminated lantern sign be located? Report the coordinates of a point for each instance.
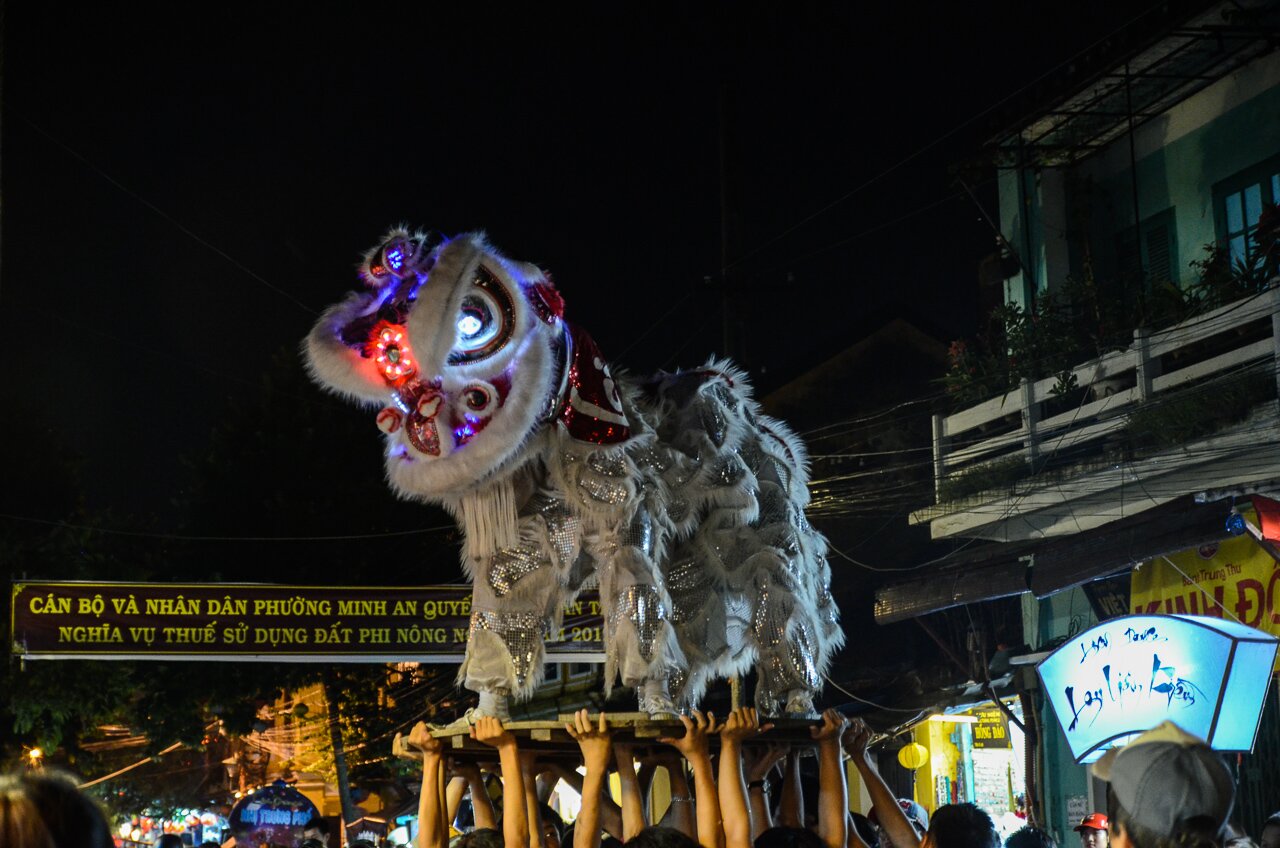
(274, 815)
(1127, 675)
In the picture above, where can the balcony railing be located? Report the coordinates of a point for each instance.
(1029, 424)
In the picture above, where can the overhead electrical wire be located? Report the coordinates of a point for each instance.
(871, 703)
(823, 501)
(142, 762)
(183, 228)
(160, 363)
(861, 234)
(830, 496)
(1008, 511)
(935, 141)
(347, 537)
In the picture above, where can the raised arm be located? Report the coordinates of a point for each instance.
(481, 803)
(832, 796)
(633, 820)
(455, 789)
(532, 806)
(595, 742)
(743, 723)
(791, 804)
(433, 829)
(610, 813)
(515, 823)
(854, 839)
(759, 764)
(644, 775)
(891, 817)
(695, 748)
(680, 814)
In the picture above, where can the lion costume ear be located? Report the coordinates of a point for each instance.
(545, 297)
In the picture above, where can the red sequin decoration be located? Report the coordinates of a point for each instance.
(547, 301)
(592, 411)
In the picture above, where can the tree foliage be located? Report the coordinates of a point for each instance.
(287, 489)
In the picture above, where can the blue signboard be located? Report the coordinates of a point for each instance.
(271, 815)
(1125, 676)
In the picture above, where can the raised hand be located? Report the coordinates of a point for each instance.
(697, 731)
(399, 749)
(432, 803)
(595, 741)
(833, 725)
(469, 771)
(664, 757)
(695, 745)
(856, 738)
(633, 818)
(743, 723)
(489, 731)
(420, 737)
(761, 761)
(417, 744)
(832, 799)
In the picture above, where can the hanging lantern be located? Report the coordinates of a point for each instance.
(913, 755)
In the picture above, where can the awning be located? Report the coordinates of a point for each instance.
(1044, 567)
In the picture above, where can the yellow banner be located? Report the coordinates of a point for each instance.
(1235, 579)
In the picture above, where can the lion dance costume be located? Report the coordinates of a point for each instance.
(672, 493)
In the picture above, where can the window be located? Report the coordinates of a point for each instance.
(551, 672)
(580, 669)
(1155, 256)
(1238, 203)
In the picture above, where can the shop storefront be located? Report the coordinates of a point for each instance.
(194, 827)
(973, 755)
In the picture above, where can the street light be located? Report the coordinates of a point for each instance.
(34, 758)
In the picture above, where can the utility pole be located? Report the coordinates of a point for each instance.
(2, 52)
(333, 696)
(1133, 187)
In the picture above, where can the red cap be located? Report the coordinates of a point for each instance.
(1093, 821)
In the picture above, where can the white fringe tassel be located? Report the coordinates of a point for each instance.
(489, 519)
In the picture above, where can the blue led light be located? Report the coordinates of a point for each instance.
(469, 325)
(1235, 523)
(395, 258)
(463, 434)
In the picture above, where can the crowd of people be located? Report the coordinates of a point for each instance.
(1166, 789)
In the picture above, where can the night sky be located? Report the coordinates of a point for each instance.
(185, 187)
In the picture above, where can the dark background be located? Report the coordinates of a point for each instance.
(185, 186)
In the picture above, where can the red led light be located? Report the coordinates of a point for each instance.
(389, 347)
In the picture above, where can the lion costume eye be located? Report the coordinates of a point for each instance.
(485, 321)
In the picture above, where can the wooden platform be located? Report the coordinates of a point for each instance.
(553, 741)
